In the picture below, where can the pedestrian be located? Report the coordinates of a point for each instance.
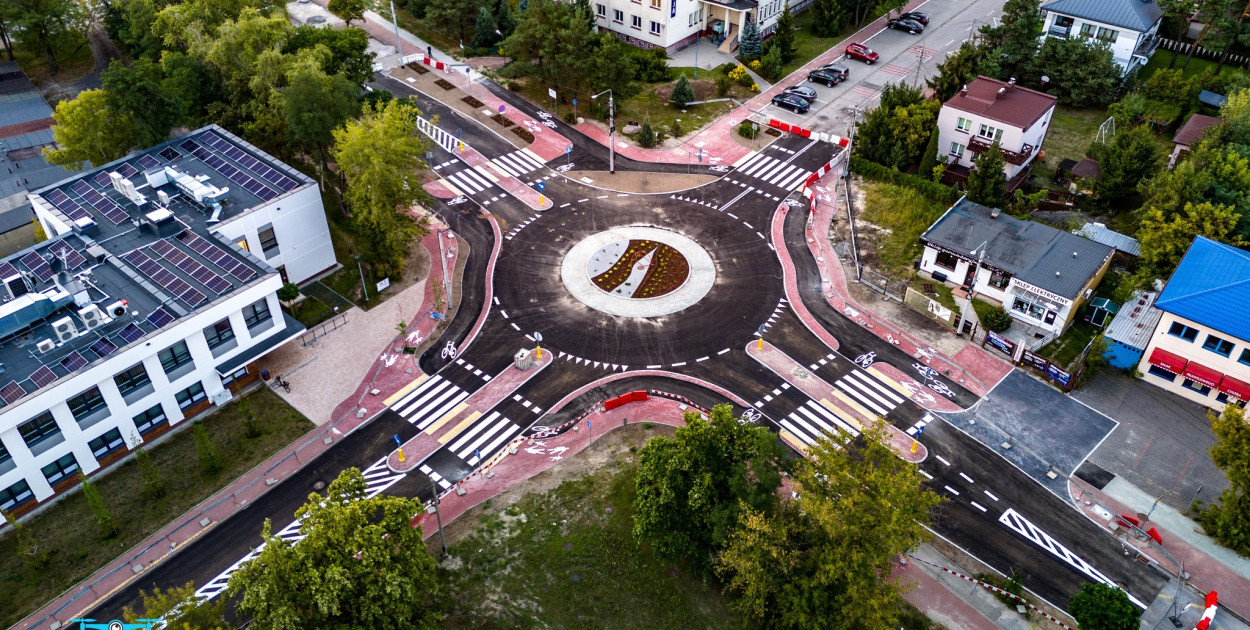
(429, 51)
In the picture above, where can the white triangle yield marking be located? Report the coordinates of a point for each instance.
(596, 364)
(614, 366)
(561, 355)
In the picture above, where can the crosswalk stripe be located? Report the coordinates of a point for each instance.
(866, 386)
(419, 409)
(807, 439)
(441, 411)
(880, 387)
(496, 443)
(473, 431)
(481, 439)
(479, 176)
(507, 166)
(831, 417)
(764, 161)
(417, 391)
(431, 395)
(853, 388)
(794, 181)
(768, 171)
(467, 185)
(782, 175)
(747, 162)
(421, 395)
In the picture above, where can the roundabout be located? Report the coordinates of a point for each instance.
(638, 272)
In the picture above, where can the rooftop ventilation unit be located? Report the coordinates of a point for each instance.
(45, 346)
(92, 317)
(199, 190)
(65, 329)
(117, 309)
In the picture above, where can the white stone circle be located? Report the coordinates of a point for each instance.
(575, 272)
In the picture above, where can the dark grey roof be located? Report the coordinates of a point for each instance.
(1137, 15)
(1031, 251)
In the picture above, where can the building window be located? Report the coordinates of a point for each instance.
(1219, 346)
(1162, 373)
(655, 27)
(150, 419)
(694, 17)
(174, 356)
(4, 454)
(106, 443)
(268, 242)
(60, 469)
(1245, 357)
(655, 4)
(1107, 35)
(635, 21)
(1024, 304)
(131, 379)
(946, 260)
(255, 314)
(957, 149)
(86, 403)
(190, 396)
(219, 333)
(999, 279)
(15, 495)
(601, 10)
(229, 379)
(39, 429)
(964, 125)
(990, 133)
(1088, 30)
(1184, 332)
(618, 16)
(1193, 385)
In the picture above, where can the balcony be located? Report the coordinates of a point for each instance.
(977, 144)
(1147, 47)
(1059, 31)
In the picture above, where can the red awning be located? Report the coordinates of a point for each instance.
(1235, 388)
(1168, 361)
(1197, 372)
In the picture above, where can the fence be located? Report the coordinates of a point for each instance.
(888, 287)
(930, 307)
(1182, 48)
(1022, 356)
(323, 329)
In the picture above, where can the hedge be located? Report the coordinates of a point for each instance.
(932, 190)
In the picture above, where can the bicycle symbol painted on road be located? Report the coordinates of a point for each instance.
(916, 393)
(794, 203)
(750, 416)
(449, 351)
(941, 388)
(550, 123)
(543, 115)
(719, 168)
(927, 372)
(866, 360)
(564, 168)
(540, 432)
(457, 201)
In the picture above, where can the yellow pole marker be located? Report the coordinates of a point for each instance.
(540, 353)
(541, 201)
(760, 345)
(401, 455)
(913, 446)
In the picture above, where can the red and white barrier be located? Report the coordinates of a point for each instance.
(1000, 591)
(433, 63)
(1213, 605)
(808, 133)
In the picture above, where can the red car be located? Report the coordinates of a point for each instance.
(862, 53)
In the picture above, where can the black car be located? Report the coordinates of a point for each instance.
(910, 26)
(790, 101)
(801, 91)
(837, 69)
(915, 17)
(828, 77)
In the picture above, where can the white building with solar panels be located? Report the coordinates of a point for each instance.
(150, 304)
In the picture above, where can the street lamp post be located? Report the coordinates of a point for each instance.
(363, 287)
(438, 516)
(611, 129)
(399, 46)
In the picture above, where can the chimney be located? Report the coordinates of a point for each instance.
(999, 94)
(994, 213)
(963, 91)
(1011, 84)
(1074, 254)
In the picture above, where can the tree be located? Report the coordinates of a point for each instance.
(451, 18)
(826, 559)
(692, 487)
(349, 10)
(749, 44)
(28, 547)
(929, 159)
(45, 27)
(316, 105)
(153, 485)
(771, 66)
(783, 36)
(1102, 607)
(210, 461)
(1226, 521)
(360, 566)
(1081, 74)
(1125, 162)
(1178, 12)
(379, 154)
(986, 181)
(180, 609)
(828, 18)
(6, 19)
(613, 65)
(89, 129)
(961, 68)
(137, 91)
(505, 17)
(288, 293)
(349, 50)
(1164, 240)
(997, 319)
(484, 34)
(1018, 36)
(646, 135)
(896, 132)
(103, 517)
(682, 92)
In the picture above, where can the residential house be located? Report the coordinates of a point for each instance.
(1039, 274)
(150, 304)
(675, 24)
(988, 111)
(1129, 27)
(1200, 348)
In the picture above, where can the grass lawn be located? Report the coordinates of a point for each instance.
(1071, 132)
(903, 214)
(310, 311)
(807, 45)
(1068, 346)
(982, 308)
(1161, 59)
(68, 530)
(941, 292)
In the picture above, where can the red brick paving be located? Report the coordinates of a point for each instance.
(790, 278)
(938, 602)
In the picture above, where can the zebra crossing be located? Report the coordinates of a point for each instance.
(812, 421)
(772, 171)
(469, 181)
(442, 138)
(518, 163)
(472, 369)
(430, 401)
(485, 437)
(869, 392)
(434, 476)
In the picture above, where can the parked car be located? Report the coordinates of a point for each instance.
(837, 69)
(910, 26)
(802, 91)
(862, 53)
(828, 77)
(915, 17)
(790, 101)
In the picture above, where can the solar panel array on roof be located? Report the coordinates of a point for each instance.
(12, 392)
(131, 333)
(80, 186)
(73, 361)
(202, 274)
(67, 205)
(169, 154)
(43, 377)
(269, 174)
(127, 171)
(102, 179)
(165, 278)
(233, 174)
(38, 266)
(160, 317)
(228, 263)
(7, 270)
(103, 347)
(72, 258)
(103, 204)
(147, 162)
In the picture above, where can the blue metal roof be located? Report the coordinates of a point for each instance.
(1211, 286)
(1137, 15)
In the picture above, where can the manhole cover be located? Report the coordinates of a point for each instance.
(319, 485)
(799, 373)
(567, 546)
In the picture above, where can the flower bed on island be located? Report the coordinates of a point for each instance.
(663, 269)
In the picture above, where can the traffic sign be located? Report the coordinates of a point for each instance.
(541, 186)
(574, 102)
(501, 108)
(568, 149)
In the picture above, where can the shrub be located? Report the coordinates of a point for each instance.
(682, 92)
(996, 319)
(676, 129)
(570, 118)
(748, 130)
(740, 76)
(108, 527)
(647, 137)
(932, 190)
(210, 462)
(153, 485)
(723, 85)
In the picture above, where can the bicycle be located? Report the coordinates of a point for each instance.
(284, 384)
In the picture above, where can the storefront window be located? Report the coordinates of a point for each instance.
(999, 279)
(1025, 304)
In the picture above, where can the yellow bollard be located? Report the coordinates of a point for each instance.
(462, 147)
(540, 199)
(540, 353)
(913, 445)
(760, 345)
(401, 455)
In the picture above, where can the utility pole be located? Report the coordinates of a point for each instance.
(399, 44)
(611, 129)
(438, 516)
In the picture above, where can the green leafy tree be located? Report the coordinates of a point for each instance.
(349, 50)
(88, 128)
(996, 319)
(379, 154)
(210, 461)
(349, 10)
(505, 17)
(693, 487)
(929, 158)
(6, 21)
(251, 428)
(826, 559)
(289, 292)
(1226, 521)
(180, 609)
(771, 65)
(1081, 74)
(828, 18)
(646, 135)
(611, 66)
(897, 131)
(1102, 607)
(451, 18)
(28, 547)
(986, 181)
(682, 92)
(962, 68)
(361, 566)
(46, 27)
(137, 91)
(317, 104)
(1018, 36)
(153, 485)
(554, 43)
(749, 44)
(1125, 162)
(1177, 12)
(783, 36)
(1164, 240)
(484, 35)
(103, 517)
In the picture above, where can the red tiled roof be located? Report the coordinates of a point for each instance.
(1018, 107)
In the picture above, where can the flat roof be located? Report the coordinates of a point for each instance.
(1136, 321)
(1016, 106)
